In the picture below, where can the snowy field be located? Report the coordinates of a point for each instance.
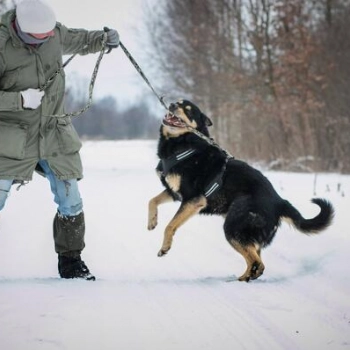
(187, 300)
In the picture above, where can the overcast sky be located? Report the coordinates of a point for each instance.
(116, 76)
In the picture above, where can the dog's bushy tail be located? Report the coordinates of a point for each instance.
(314, 225)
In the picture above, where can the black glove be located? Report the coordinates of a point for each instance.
(112, 39)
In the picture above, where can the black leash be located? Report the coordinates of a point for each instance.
(138, 68)
(161, 100)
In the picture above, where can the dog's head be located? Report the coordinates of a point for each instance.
(184, 115)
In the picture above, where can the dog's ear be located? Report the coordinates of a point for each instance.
(207, 120)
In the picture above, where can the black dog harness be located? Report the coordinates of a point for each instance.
(166, 164)
(216, 183)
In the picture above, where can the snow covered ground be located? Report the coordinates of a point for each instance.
(187, 300)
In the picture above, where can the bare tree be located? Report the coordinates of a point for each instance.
(334, 40)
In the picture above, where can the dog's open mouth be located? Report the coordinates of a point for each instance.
(171, 119)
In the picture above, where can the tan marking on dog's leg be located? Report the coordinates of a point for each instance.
(153, 204)
(185, 212)
(258, 249)
(251, 254)
(174, 181)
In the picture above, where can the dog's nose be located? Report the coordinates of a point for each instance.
(172, 107)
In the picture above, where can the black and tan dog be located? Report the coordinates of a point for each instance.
(206, 181)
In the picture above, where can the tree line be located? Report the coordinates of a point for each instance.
(106, 120)
(274, 75)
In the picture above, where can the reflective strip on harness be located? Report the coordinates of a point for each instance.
(212, 189)
(168, 163)
(217, 181)
(165, 165)
(185, 154)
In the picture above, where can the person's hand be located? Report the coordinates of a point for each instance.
(32, 98)
(112, 39)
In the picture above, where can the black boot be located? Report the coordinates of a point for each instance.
(73, 267)
(69, 232)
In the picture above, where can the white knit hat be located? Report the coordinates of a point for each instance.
(35, 16)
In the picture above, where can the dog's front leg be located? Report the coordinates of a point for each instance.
(185, 212)
(153, 204)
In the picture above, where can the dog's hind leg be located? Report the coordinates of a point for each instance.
(185, 212)
(251, 254)
(153, 204)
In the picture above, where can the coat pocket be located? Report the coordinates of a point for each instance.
(68, 138)
(13, 140)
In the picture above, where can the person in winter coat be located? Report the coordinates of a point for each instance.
(31, 47)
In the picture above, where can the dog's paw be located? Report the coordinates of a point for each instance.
(162, 252)
(244, 278)
(151, 226)
(152, 223)
(255, 271)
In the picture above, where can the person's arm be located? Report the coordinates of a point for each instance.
(9, 101)
(83, 41)
(80, 41)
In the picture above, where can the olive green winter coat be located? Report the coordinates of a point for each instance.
(26, 136)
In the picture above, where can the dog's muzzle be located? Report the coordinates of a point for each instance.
(172, 120)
